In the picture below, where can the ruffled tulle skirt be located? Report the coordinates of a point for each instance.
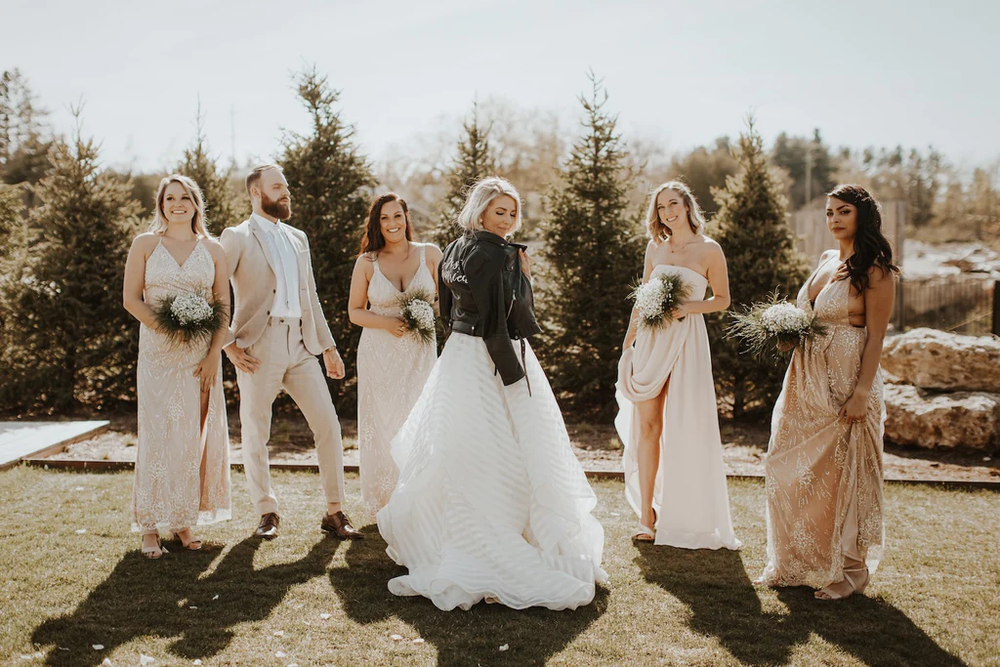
(491, 502)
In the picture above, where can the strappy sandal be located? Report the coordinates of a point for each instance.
(645, 533)
(192, 545)
(849, 576)
(153, 552)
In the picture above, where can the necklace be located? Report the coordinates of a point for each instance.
(683, 245)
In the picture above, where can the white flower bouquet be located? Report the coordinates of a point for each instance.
(656, 299)
(189, 318)
(774, 322)
(418, 313)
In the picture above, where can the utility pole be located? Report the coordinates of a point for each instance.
(232, 132)
(809, 172)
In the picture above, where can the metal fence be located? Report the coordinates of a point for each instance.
(960, 303)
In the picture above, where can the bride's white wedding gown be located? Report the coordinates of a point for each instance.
(491, 501)
(690, 494)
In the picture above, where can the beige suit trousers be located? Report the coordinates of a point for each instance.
(286, 364)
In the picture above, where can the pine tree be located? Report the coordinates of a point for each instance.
(331, 184)
(592, 252)
(752, 228)
(72, 341)
(24, 139)
(475, 160)
(199, 164)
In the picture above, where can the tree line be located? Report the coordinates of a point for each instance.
(66, 223)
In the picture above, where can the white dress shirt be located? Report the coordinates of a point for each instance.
(286, 268)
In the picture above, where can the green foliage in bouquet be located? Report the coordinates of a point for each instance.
(418, 313)
(189, 319)
(656, 299)
(774, 326)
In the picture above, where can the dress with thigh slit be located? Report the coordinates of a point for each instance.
(690, 495)
(181, 468)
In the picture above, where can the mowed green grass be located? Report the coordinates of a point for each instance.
(310, 600)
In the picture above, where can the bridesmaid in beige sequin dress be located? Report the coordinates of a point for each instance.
(824, 461)
(392, 367)
(182, 462)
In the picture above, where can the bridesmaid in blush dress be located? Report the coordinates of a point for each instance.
(182, 462)
(824, 462)
(675, 479)
(392, 366)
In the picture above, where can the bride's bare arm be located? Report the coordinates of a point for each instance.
(718, 278)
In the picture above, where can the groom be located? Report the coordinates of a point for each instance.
(277, 330)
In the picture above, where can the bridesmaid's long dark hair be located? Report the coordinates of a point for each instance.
(871, 248)
(373, 241)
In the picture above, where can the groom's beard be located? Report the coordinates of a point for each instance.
(282, 210)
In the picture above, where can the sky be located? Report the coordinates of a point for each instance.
(681, 73)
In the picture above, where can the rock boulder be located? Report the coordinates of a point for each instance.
(933, 359)
(929, 419)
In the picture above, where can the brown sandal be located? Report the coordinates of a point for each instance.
(154, 552)
(191, 545)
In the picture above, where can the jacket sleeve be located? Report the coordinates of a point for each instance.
(323, 334)
(444, 299)
(486, 283)
(231, 243)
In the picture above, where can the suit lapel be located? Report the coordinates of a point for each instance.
(264, 246)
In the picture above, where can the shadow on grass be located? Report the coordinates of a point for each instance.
(140, 598)
(461, 637)
(724, 604)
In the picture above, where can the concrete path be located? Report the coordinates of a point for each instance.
(21, 439)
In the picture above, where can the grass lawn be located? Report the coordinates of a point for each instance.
(308, 600)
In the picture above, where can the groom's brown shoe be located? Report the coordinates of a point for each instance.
(268, 527)
(340, 526)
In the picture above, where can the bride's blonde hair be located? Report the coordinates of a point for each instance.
(479, 199)
(159, 224)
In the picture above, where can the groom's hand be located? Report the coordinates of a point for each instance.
(242, 359)
(334, 364)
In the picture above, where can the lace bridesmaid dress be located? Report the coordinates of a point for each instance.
(824, 474)
(181, 469)
(391, 374)
(690, 495)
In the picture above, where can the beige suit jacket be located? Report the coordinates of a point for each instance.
(251, 272)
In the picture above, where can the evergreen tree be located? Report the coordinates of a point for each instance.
(199, 164)
(24, 140)
(592, 252)
(705, 169)
(13, 243)
(331, 184)
(72, 341)
(752, 228)
(475, 160)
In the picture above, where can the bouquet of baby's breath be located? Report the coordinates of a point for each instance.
(774, 322)
(656, 299)
(418, 313)
(189, 318)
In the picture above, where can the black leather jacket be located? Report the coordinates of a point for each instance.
(488, 296)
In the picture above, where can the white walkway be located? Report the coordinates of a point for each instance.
(21, 439)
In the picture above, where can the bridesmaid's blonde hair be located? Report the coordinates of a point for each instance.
(658, 229)
(159, 224)
(479, 199)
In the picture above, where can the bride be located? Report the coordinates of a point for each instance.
(675, 479)
(491, 503)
